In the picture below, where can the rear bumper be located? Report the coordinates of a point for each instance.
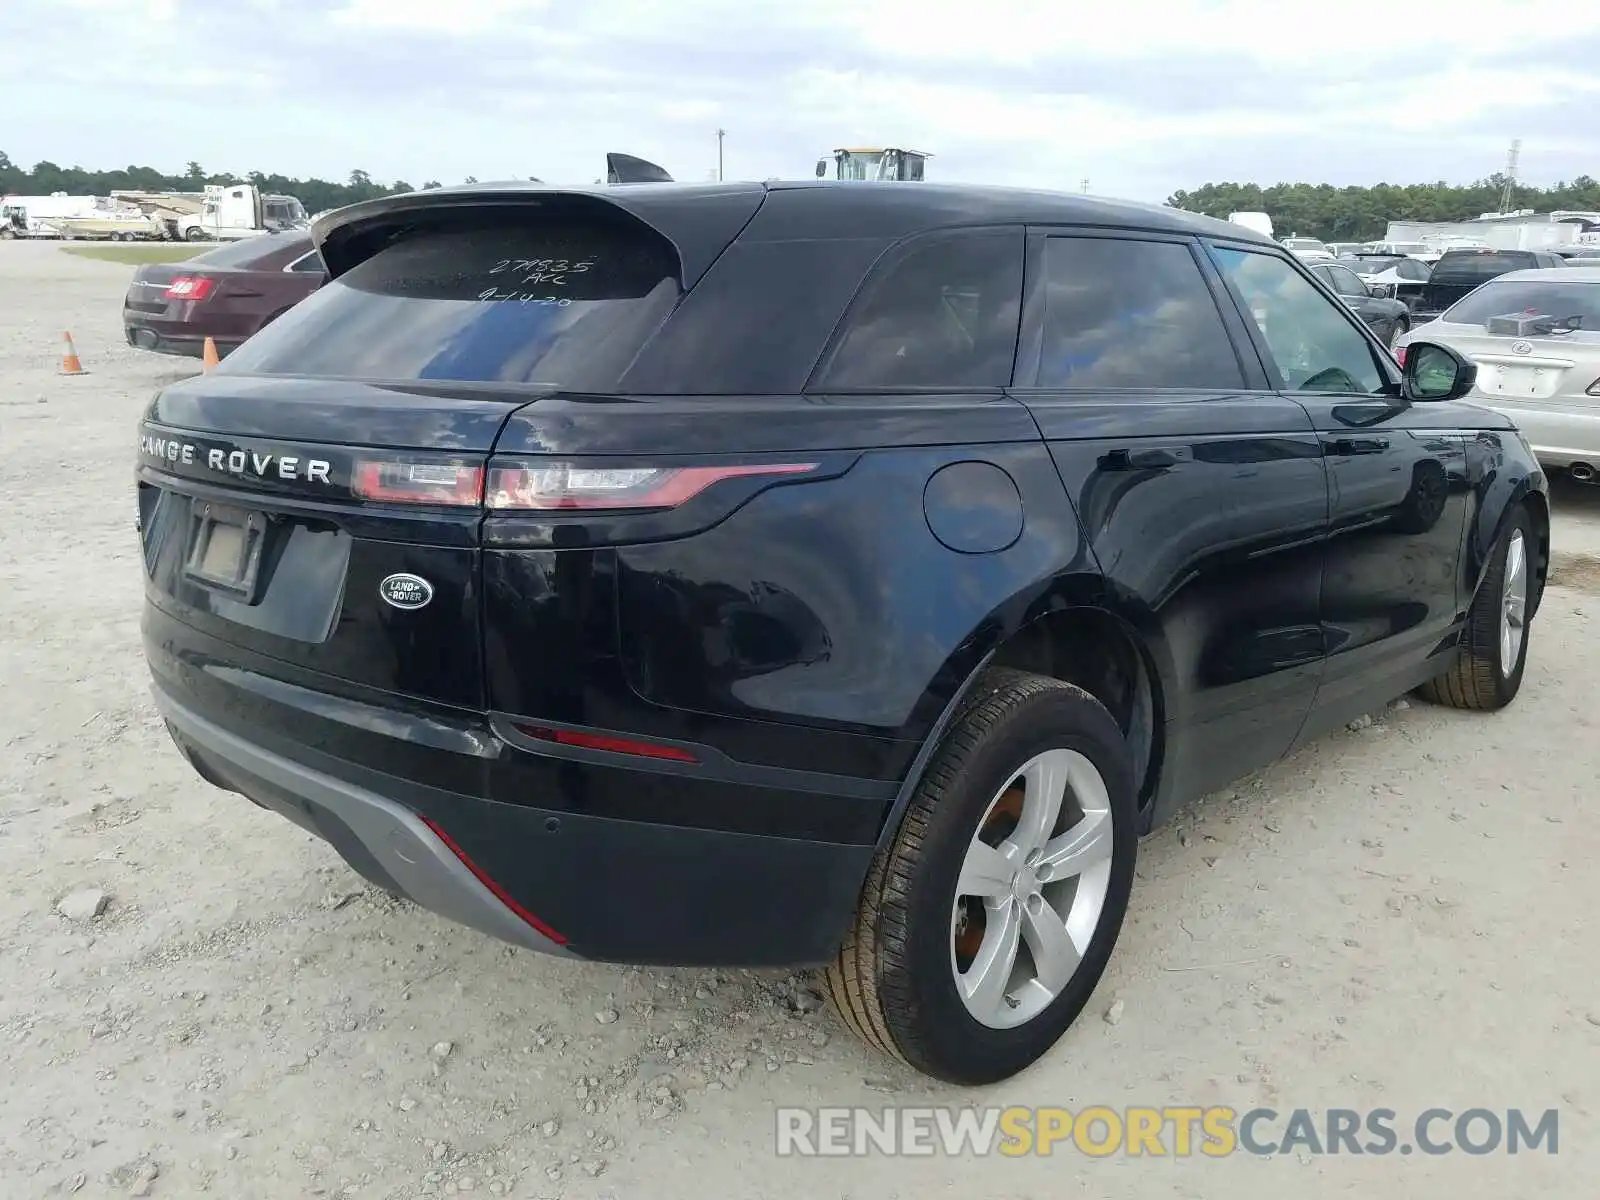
(1559, 437)
(550, 879)
(160, 338)
(385, 842)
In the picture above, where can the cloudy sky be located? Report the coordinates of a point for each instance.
(1139, 99)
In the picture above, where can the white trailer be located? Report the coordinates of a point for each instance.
(35, 216)
(1522, 231)
(1259, 221)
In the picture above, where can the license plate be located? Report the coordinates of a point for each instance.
(225, 548)
(1513, 381)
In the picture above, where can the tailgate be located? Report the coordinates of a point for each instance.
(1512, 369)
(357, 561)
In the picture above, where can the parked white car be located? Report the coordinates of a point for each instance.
(1535, 337)
(1302, 246)
(1403, 276)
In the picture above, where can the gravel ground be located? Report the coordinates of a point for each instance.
(1400, 916)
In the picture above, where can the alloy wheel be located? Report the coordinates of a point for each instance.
(1513, 603)
(1032, 889)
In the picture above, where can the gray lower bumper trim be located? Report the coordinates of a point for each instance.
(422, 866)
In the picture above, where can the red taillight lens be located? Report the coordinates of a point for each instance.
(447, 483)
(568, 486)
(1400, 355)
(190, 287)
(601, 741)
(499, 892)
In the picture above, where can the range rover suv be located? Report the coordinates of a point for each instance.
(811, 574)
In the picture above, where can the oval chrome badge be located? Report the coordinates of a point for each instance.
(405, 591)
(1522, 347)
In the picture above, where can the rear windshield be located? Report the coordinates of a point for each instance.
(1370, 266)
(248, 251)
(1558, 301)
(563, 301)
(1474, 266)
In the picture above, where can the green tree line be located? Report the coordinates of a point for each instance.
(315, 194)
(1348, 214)
(1359, 214)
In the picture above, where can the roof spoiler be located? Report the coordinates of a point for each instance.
(699, 222)
(625, 168)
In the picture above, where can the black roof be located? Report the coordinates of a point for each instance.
(789, 210)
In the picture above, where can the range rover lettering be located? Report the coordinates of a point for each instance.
(825, 575)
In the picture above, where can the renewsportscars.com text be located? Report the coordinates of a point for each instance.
(1174, 1130)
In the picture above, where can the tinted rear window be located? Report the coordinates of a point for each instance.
(558, 300)
(1474, 266)
(942, 315)
(246, 252)
(1558, 301)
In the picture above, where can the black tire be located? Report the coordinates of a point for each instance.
(894, 981)
(1481, 679)
(195, 235)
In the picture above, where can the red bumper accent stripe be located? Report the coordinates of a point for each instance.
(500, 893)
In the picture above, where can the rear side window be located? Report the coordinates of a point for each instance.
(1130, 314)
(1475, 266)
(942, 315)
(1346, 283)
(558, 300)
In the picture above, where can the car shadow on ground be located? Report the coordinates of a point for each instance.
(1567, 494)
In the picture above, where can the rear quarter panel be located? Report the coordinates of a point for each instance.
(862, 603)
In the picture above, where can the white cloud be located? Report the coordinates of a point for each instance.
(1142, 100)
(457, 18)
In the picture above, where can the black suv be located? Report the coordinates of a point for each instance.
(811, 573)
(1459, 272)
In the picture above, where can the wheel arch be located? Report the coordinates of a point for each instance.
(1074, 629)
(1503, 493)
(1538, 505)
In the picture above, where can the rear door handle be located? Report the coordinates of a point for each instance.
(1138, 460)
(1342, 446)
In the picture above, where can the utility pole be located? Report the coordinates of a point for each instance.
(721, 133)
(1085, 185)
(1511, 175)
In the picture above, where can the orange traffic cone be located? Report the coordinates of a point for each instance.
(69, 359)
(208, 355)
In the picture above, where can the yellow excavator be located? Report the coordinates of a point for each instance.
(875, 164)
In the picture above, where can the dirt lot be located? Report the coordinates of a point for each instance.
(1401, 916)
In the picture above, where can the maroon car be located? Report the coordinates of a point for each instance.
(226, 294)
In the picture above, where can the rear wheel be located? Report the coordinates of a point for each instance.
(987, 921)
(1494, 643)
(195, 235)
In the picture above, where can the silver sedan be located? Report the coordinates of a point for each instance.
(1535, 337)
